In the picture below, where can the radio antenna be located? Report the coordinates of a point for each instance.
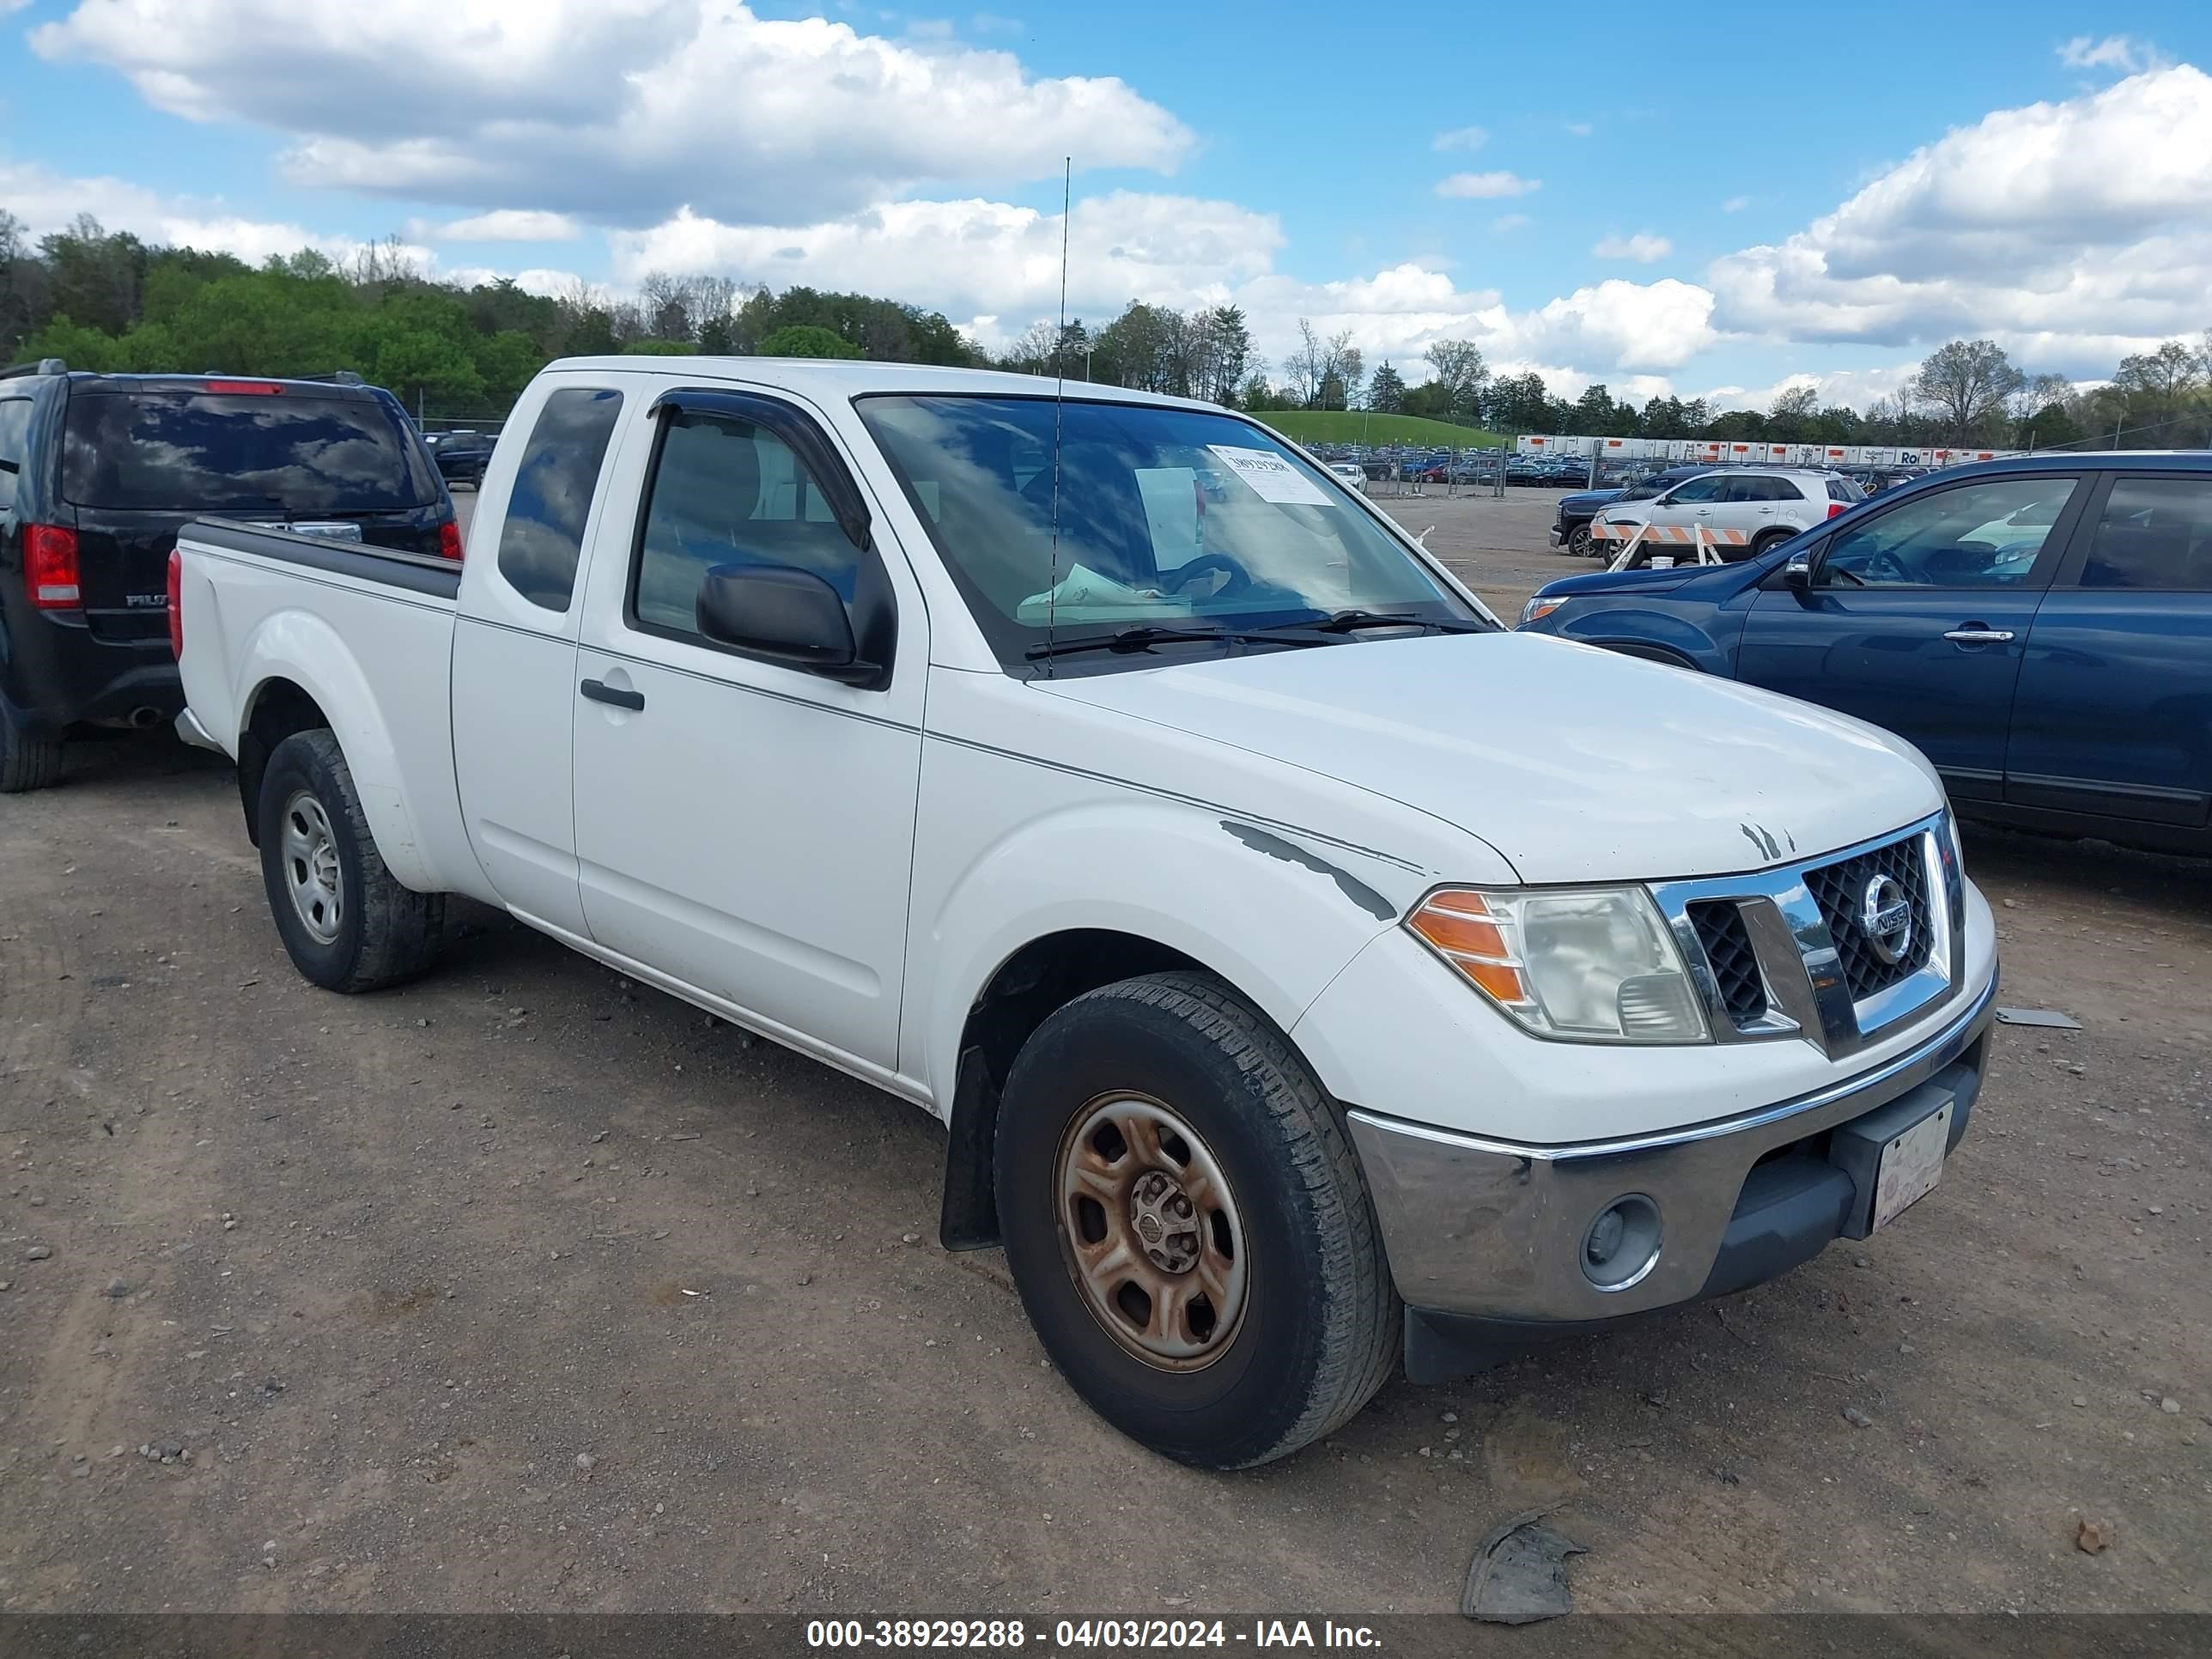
(1059, 404)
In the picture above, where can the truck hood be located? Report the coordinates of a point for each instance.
(1573, 763)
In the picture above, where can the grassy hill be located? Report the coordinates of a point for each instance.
(1353, 426)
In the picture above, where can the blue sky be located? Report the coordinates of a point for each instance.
(1705, 206)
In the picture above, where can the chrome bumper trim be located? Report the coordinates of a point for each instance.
(1476, 1226)
(189, 729)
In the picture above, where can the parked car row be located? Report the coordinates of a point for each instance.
(98, 473)
(1136, 830)
(2040, 628)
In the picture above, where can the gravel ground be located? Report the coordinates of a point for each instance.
(525, 1288)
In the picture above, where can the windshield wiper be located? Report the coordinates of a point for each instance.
(1351, 622)
(1144, 637)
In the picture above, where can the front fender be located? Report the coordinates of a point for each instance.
(1274, 915)
(1651, 627)
(300, 647)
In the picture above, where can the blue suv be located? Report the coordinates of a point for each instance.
(2041, 628)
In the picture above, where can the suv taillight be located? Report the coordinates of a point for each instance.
(177, 603)
(50, 567)
(1837, 509)
(449, 541)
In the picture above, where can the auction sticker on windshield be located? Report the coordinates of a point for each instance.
(1272, 477)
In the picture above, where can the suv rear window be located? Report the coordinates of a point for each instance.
(1842, 489)
(180, 450)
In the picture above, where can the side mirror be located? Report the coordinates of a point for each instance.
(1798, 572)
(780, 615)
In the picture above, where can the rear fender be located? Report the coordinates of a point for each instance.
(299, 647)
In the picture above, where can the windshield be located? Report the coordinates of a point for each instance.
(1166, 519)
(195, 452)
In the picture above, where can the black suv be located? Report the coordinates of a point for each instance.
(461, 456)
(98, 473)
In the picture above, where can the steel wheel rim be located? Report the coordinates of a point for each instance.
(311, 873)
(1150, 1230)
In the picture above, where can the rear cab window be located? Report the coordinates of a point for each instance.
(542, 537)
(186, 449)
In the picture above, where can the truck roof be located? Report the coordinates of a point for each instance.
(847, 377)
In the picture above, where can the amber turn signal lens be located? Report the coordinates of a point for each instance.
(1463, 930)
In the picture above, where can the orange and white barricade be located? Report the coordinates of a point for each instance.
(1702, 542)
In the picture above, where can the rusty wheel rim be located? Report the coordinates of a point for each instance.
(1151, 1233)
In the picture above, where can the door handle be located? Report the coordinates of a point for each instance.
(1979, 635)
(600, 692)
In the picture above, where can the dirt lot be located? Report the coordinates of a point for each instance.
(524, 1289)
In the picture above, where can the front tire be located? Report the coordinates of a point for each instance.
(346, 923)
(1578, 542)
(1188, 1226)
(26, 763)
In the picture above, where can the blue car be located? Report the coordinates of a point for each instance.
(2041, 628)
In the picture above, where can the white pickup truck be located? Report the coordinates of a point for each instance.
(1304, 965)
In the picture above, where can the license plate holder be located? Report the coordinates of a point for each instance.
(1910, 1165)
(331, 530)
(1894, 1154)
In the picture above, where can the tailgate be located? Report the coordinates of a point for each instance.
(123, 568)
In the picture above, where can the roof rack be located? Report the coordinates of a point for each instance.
(44, 366)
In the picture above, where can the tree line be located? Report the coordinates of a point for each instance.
(1966, 393)
(104, 299)
(107, 301)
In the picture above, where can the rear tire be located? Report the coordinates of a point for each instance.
(1285, 1320)
(26, 763)
(1767, 541)
(346, 923)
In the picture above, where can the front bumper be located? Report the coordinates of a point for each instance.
(1485, 1237)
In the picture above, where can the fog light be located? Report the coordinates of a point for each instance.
(1622, 1244)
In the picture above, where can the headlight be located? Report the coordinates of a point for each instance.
(1594, 965)
(1539, 608)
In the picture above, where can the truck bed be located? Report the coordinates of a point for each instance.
(365, 635)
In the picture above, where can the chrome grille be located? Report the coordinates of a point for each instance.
(1839, 890)
(1784, 952)
(1734, 963)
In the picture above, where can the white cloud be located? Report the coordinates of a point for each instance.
(983, 257)
(2115, 51)
(1616, 323)
(1855, 388)
(504, 225)
(47, 201)
(618, 110)
(548, 284)
(1580, 128)
(2071, 232)
(1643, 247)
(1736, 205)
(1505, 222)
(1479, 186)
(1461, 138)
(997, 265)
